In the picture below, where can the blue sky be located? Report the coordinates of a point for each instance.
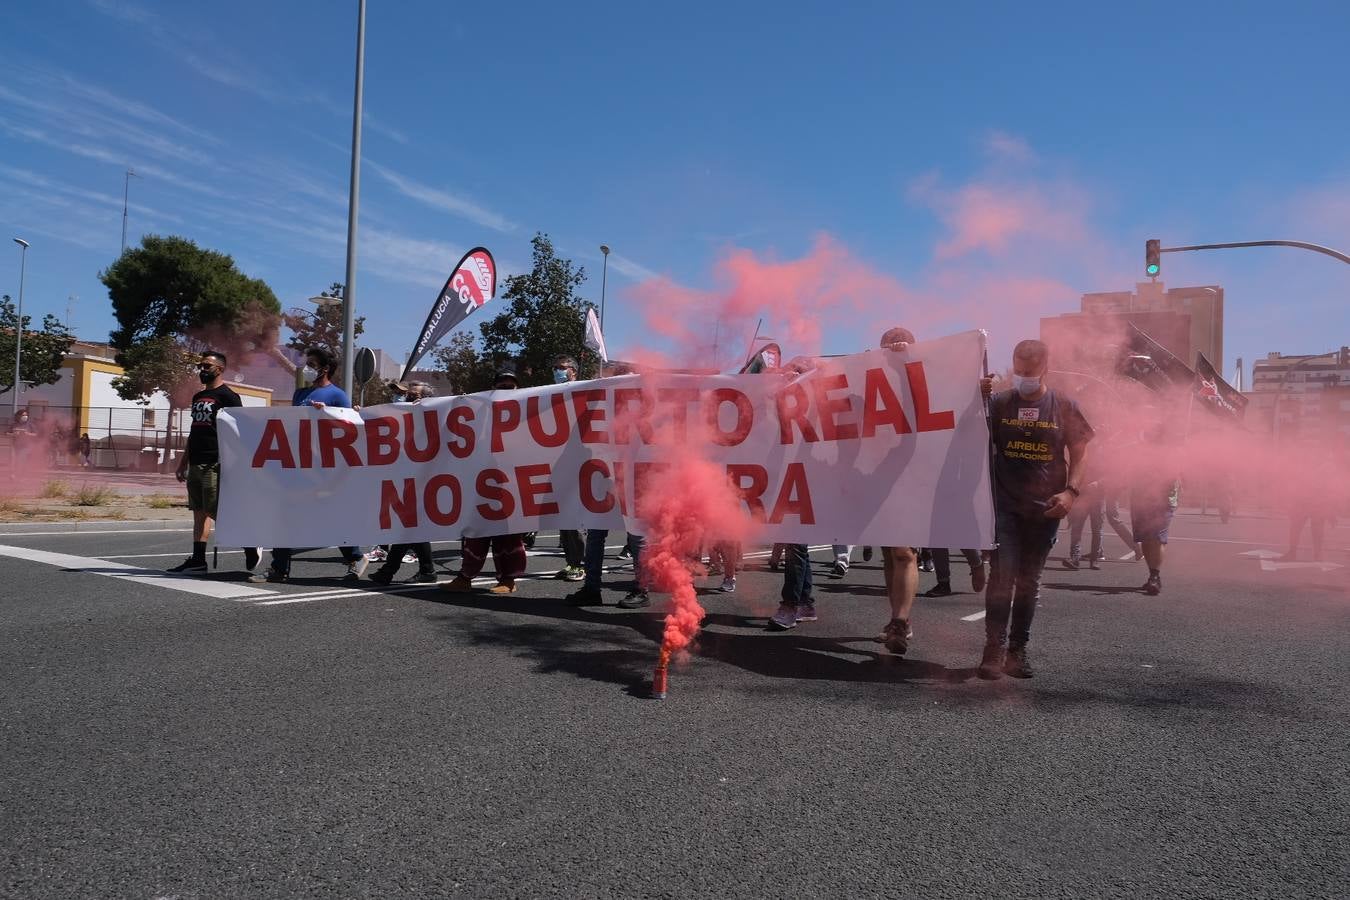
(1018, 153)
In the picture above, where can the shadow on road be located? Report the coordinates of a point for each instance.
(627, 657)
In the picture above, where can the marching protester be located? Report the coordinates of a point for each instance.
(573, 545)
(412, 392)
(508, 550)
(1308, 501)
(900, 565)
(23, 436)
(86, 447)
(797, 603)
(1033, 430)
(590, 593)
(319, 392)
(942, 565)
(199, 465)
(1154, 494)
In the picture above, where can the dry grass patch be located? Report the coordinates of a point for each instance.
(54, 489)
(94, 495)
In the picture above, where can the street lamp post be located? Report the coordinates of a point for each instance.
(604, 280)
(126, 192)
(353, 202)
(18, 327)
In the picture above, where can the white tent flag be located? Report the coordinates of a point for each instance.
(594, 339)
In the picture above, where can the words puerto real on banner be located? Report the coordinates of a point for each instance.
(885, 448)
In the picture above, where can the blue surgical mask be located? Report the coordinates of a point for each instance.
(1026, 385)
(399, 398)
(559, 376)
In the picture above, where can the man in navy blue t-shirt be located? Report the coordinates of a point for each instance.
(319, 391)
(1040, 443)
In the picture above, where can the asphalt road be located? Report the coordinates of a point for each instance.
(197, 738)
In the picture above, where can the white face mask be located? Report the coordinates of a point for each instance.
(1026, 385)
(309, 373)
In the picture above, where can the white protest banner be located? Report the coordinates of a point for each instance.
(882, 447)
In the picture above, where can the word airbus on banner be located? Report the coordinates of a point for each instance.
(472, 283)
(881, 447)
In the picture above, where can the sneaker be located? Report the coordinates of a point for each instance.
(635, 599)
(896, 636)
(189, 566)
(991, 662)
(941, 589)
(271, 576)
(867, 554)
(1016, 663)
(585, 596)
(503, 587)
(458, 585)
(409, 557)
(251, 558)
(529, 539)
(1153, 587)
(785, 618)
(378, 554)
(806, 612)
(885, 632)
(1099, 555)
(978, 579)
(1094, 563)
(925, 565)
(839, 570)
(774, 565)
(424, 578)
(1074, 560)
(728, 585)
(571, 573)
(625, 553)
(380, 576)
(354, 570)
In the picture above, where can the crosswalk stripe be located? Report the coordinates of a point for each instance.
(224, 590)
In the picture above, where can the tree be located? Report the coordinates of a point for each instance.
(546, 318)
(42, 351)
(323, 327)
(172, 300)
(468, 370)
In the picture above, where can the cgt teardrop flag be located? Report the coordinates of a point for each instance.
(470, 285)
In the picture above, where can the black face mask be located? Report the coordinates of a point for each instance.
(207, 377)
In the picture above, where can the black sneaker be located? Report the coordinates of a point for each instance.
(529, 539)
(189, 566)
(585, 596)
(941, 589)
(635, 599)
(1153, 587)
(1017, 663)
(271, 576)
(867, 554)
(978, 579)
(625, 553)
(251, 558)
(839, 570)
(991, 662)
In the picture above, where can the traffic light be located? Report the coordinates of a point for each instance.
(1152, 258)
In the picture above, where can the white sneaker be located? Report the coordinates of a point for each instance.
(410, 557)
(377, 554)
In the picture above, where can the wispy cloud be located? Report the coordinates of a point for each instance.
(630, 269)
(442, 200)
(39, 182)
(1008, 147)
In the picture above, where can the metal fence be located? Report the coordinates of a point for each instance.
(119, 437)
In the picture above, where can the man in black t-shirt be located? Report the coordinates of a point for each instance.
(200, 464)
(1033, 430)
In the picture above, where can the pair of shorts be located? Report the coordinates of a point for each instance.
(1151, 521)
(203, 487)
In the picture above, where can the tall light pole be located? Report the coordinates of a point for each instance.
(604, 280)
(353, 200)
(126, 192)
(18, 327)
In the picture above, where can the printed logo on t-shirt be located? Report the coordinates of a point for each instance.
(1028, 414)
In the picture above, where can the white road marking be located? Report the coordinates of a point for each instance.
(973, 617)
(224, 590)
(184, 529)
